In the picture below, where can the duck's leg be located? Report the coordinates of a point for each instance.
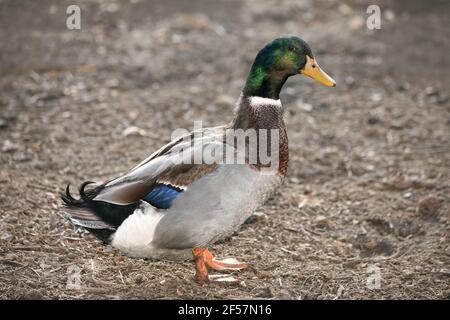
(201, 274)
(204, 260)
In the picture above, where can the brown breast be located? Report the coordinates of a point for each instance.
(264, 116)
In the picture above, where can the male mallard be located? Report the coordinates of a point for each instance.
(165, 208)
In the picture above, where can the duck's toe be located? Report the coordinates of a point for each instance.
(225, 264)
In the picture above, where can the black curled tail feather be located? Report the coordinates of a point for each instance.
(81, 213)
(98, 217)
(85, 196)
(68, 199)
(82, 193)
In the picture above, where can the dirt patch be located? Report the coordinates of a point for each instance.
(368, 181)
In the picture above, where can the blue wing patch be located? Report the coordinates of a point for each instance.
(162, 196)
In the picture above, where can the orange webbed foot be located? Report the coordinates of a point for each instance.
(204, 260)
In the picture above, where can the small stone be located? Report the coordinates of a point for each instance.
(442, 99)
(345, 9)
(60, 136)
(66, 114)
(307, 107)
(7, 236)
(266, 293)
(8, 146)
(3, 123)
(376, 97)
(284, 295)
(430, 91)
(429, 207)
(32, 295)
(22, 157)
(134, 131)
(407, 195)
(259, 214)
(322, 222)
(51, 95)
(139, 279)
(222, 278)
(382, 225)
(355, 23)
(263, 274)
(250, 220)
(407, 228)
(389, 15)
(112, 83)
(11, 256)
(351, 264)
(405, 86)
(373, 120)
(398, 183)
(383, 247)
(350, 81)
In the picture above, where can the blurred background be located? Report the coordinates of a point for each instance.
(368, 180)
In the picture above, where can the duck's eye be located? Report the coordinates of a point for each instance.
(313, 66)
(291, 48)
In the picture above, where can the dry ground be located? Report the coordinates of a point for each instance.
(368, 182)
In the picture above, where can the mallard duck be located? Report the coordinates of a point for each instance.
(167, 208)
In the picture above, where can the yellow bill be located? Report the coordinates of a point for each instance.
(313, 71)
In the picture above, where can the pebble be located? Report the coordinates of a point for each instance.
(430, 91)
(376, 97)
(9, 146)
(389, 15)
(373, 120)
(6, 236)
(3, 123)
(350, 81)
(429, 206)
(266, 293)
(22, 157)
(133, 131)
(345, 9)
(307, 107)
(33, 295)
(405, 86)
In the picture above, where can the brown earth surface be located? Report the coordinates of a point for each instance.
(368, 180)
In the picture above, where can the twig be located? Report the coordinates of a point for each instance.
(288, 251)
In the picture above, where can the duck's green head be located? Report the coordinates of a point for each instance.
(277, 61)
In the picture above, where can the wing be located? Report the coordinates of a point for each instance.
(161, 196)
(166, 173)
